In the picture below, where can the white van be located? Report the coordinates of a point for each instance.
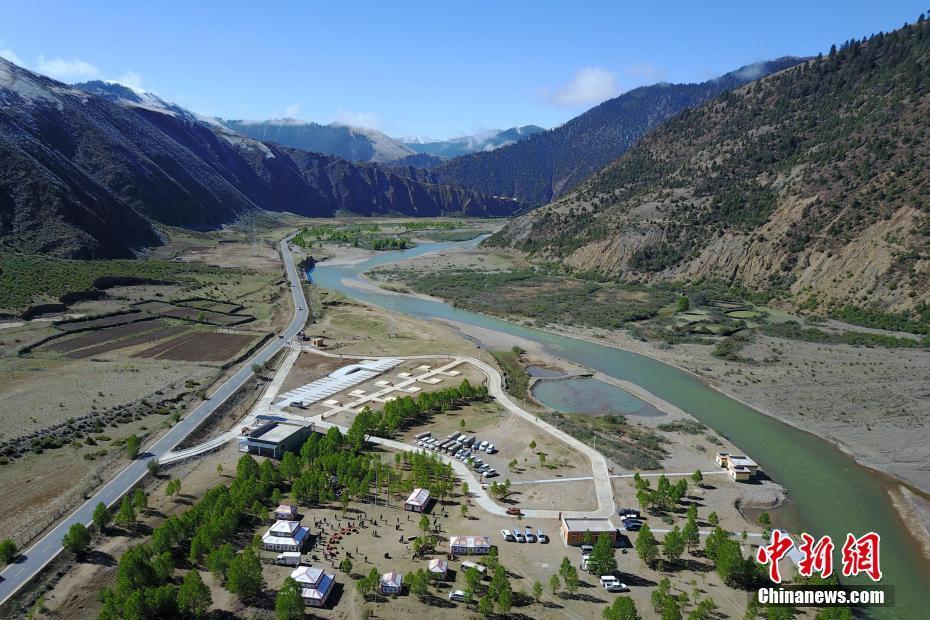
(288, 558)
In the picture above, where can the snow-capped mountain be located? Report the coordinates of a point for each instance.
(352, 143)
(474, 143)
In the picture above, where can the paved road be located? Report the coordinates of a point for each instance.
(36, 557)
(262, 408)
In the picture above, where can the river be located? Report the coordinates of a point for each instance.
(832, 494)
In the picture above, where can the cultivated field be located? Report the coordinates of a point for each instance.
(181, 311)
(199, 347)
(99, 336)
(145, 338)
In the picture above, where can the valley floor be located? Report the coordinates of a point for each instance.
(871, 402)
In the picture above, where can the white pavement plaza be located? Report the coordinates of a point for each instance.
(337, 381)
(36, 557)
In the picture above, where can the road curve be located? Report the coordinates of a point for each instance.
(36, 557)
(601, 473)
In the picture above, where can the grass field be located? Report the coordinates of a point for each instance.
(26, 279)
(535, 293)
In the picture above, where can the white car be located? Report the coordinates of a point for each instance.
(508, 535)
(612, 584)
(457, 595)
(482, 445)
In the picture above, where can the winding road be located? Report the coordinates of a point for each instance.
(36, 557)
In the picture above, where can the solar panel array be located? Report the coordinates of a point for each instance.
(337, 381)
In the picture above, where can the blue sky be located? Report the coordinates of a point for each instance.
(436, 69)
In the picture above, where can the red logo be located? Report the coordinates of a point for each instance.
(860, 555)
(771, 554)
(818, 557)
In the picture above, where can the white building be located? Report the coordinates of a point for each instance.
(470, 545)
(315, 584)
(418, 500)
(438, 568)
(285, 536)
(739, 466)
(392, 583)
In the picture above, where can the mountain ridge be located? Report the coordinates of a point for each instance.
(812, 184)
(548, 164)
(88, 174)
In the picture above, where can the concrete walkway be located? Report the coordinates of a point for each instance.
(601, 475)
(716, 472)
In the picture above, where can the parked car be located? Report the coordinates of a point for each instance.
(586, 549)
(508, 535)
(520, 538)
(612, 584)
(541, 537)
(529, 535)
(632, 525)
(628, 512)
(514, 511)
(457, 595)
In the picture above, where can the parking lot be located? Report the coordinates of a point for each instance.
(467, 448)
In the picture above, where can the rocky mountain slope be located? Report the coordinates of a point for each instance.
(551, 163)
(352, 143)
(813, 184)
(87, 173)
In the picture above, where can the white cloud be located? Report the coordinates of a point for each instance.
(589, 85)
(647, 71)
(12, 57)
(64, 69)
(292, 110)
(751, 72)
(369, 120)
(130, 79)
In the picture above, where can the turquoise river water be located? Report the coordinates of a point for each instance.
(832, 494)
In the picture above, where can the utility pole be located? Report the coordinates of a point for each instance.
(392, 327)
(253, 236)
